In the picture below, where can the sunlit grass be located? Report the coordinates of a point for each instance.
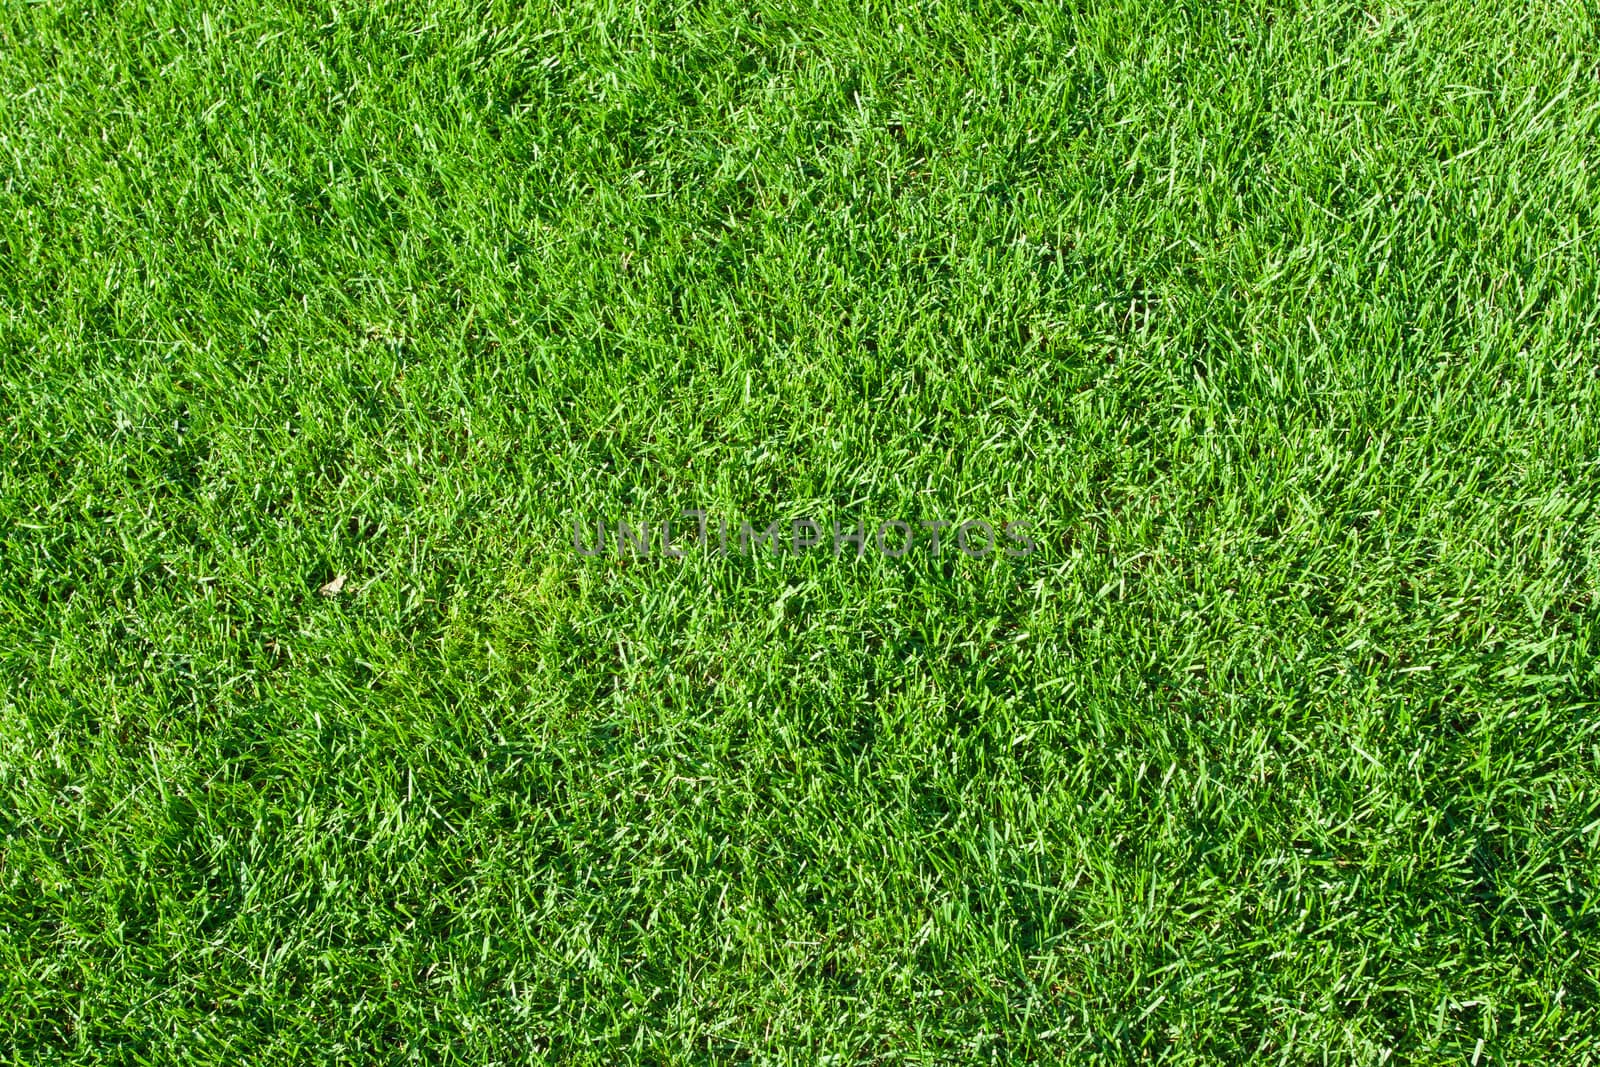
(1279, 320)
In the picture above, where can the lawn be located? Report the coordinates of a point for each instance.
(341, 723)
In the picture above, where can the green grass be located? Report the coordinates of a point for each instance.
(1282, 320)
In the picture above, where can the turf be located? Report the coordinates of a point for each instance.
(1279, 320)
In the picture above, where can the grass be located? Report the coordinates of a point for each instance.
(1280, 320)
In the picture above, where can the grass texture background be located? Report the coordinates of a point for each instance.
(1280, 319)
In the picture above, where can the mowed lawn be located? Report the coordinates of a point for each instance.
(322, 324)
